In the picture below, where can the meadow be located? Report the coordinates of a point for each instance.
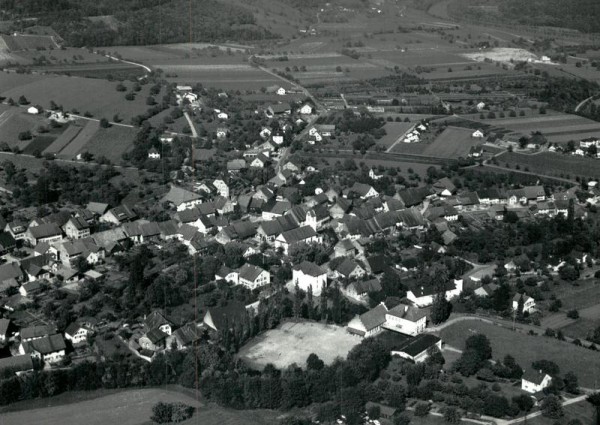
(554, 164)
(527, 348)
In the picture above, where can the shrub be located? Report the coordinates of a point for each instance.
(422, 409)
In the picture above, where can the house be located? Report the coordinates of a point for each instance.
(253, 277)
(279, 109)
(477, 134)
(49, 349)
(486, 290)
(317, 217)
(33, 110)
(219, 318)
(444, 187)
(373, 175)
(77, 333)
(228, 275)
(236, 165)
(416, 349)
(222, 116)
(422, 295)
(29, 289)
(369, 323)
(49, 233)
(309, 275)
(528, 303)
(16, 229)
(184, 337)
(7, 243)
(97, 208)
(306, 109)
(278, 139)
(406, 319)
(345, 248)
(36, 332)
(359, 291)
(153, 340)
(221, 187)
(385, 412)
(118, 215)
(534, 381)
(281, 91)
(181, 199)
(289, 238)
(269, 230)
(480, 106)
(489, 196)
(158, 320)
(153, 153)
(77, 228)
(19, 365)
(260, 161)
(364, 191)
(221, 133)
(349, 269)
(265, 133)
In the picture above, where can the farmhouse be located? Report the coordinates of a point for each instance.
(49, 233)
(359, 291)
(534, 381)
(288, 239)
(306, 109)
(478, 134)
(349, 269)
(153, 153)
(309, 275)
(50, 349)
(33, 110)
(76, 333)
(363, 190)
(406, 319)
(77, 228)
(253, 277)
(369, 323)
(118, 215)
(416, 349)
(181, 199)
(279, 109)
(422, 295)
(18, 365)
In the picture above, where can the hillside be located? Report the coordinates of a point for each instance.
(581, 15)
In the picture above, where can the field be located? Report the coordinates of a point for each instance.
(14, 121)
(294, 342)
(393, 130)
(128, 407)
(583, 411)
(526, 349)
(553, 164)
(558, 128)
(79, 142)
(98, 97)
(111, 142)
(452, 143)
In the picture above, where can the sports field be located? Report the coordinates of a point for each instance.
(527, 348)
(294, 342)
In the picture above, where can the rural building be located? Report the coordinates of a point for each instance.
(359, 291)
(369, 323)
(153, 153)
(77, 333)
(416, 349)
(33, 110)
(50, 349)
(253, 277)
(349, 269)
(288, 239)
(279, 109)
(309, 275)
(77, 228)
(49, 233)
(528, 303)
(118, 215)
(534, 381)
(406, 319)
(385, 412)
(422, 295)
(4, 330)
(362, 190)
(219, 318)
(306, 109)
(181, 199)
(184, 337)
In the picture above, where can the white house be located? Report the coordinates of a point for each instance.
(406, 319)
(50, 349)
(77, 228)
(369, 323)
(373, 175)
(222, 187)
(306, 109)
(77, 333)
(253, 277)
(534, 381)
(480, 106)
(291, 237)
(528, 303)
(309, 275)
(422, 296)
(478, 134)
(153, 153)
(181, 198)
(222, 116)
(33, 110)
(281, 91)
(278, 139)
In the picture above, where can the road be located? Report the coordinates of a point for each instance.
(583, 102)
(400, 138)
(191, 123)
(539, 413)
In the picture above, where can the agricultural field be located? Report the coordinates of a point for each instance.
(557, 128)
(527, 348)
(14, 121)
(96, 96)
(393, 132)
(294, 342)
(452, 143)
(80, 141)
(126, 407)
(111, 142)
(553, 164)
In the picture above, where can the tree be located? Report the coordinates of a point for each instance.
(481, 345)
(374, 411)
(313, 362)
(594, 400)
(571, 383)
(422, 409)
(552, 408)
(104, 123)
(524, 402)
(23, 100)
(441, 307)
(451, 415)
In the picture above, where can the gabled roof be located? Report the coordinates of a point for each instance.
(420, 343)
(4, 324)
(178, 196)
(408, 312)
(347, 266)
(534, 376)
(156, 319)
(79, 223)
(250, 272)
(155, 335)
(10, 271)
(425, 290)
(361, 188)
(187, 334)
(299, 234)
(227, 315)
(364, 287)
(97, 207)
(72, 329)
(277, 226)
(414, 196)
(374, 317)
(310, 268)
(45, 345)
(45, 231)
(17, 363)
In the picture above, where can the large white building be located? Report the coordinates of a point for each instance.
(422, 296)
(309, 275)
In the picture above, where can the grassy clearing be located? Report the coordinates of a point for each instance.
(294, 342)
(111, 142)
(553, 164)
(526, 348)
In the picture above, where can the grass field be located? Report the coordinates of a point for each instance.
(526, 349)
(111, 142)
(553, 164)
(394, 130)
(14, 121)
(453, 143)
(127, 407)
(294, 342)
(583, 411)
(96, 96)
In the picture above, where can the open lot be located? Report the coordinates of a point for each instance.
(294, 342)
(126, 407)
(394, 131)
(554, 164)
(527, 348)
